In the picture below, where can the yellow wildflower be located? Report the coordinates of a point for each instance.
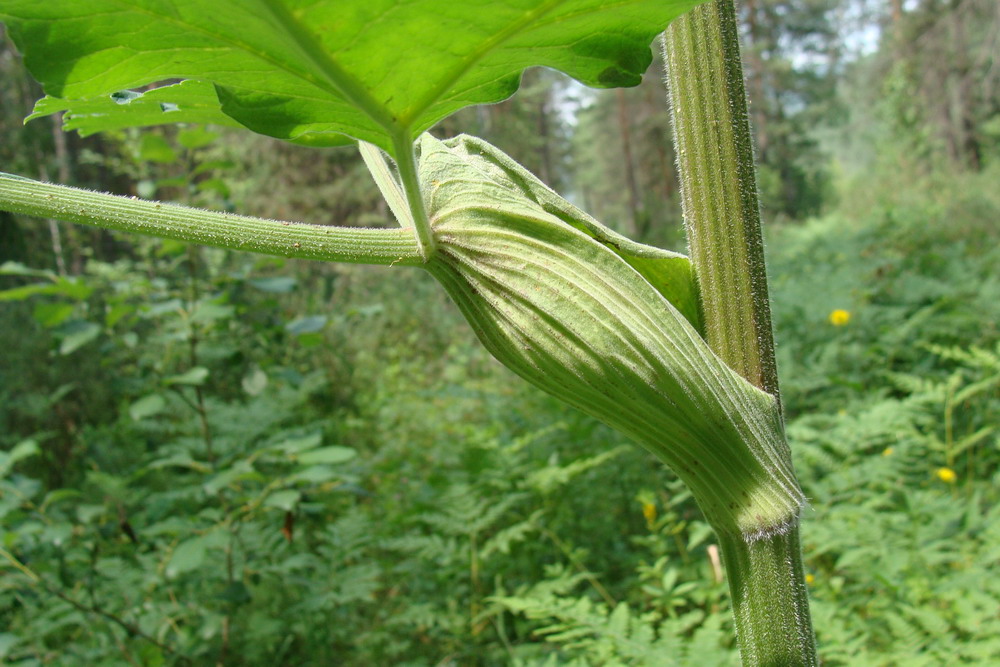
(887, 451)
(810, 579)
(839, 318)
(946, 475)
(649, 511)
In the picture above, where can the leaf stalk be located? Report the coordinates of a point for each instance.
(211, 228)
(406, 162)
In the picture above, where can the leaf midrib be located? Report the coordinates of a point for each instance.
(328, 75)
(466, 65)
(347, 85)
(337, 80)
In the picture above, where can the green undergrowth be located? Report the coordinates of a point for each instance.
(218, 458)
(892, 422)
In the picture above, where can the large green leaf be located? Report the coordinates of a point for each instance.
(184, 102)
(312, 71)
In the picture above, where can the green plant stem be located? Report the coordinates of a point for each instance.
(378, 167)
(719, 188)
(770, 600)
(223, 230)
(722, 219)
(406, 162)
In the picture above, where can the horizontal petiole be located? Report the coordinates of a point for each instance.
(222, 230)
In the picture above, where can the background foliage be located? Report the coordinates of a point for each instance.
(217, 458)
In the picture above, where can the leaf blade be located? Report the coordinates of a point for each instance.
(314, 71)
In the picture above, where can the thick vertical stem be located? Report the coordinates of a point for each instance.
(770, 601)
(722, 219)
(718, 188)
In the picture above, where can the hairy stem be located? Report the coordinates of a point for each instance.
(719, 188)
(722, 219)
(223, 230)
(770, 601)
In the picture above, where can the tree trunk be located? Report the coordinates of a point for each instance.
(633, 189)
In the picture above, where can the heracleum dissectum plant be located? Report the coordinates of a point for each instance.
(612, 327)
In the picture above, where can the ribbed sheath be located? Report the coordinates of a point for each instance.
(572, 317)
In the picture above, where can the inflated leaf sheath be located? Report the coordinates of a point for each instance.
(558, 300)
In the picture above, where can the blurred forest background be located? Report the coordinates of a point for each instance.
(215, 458)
